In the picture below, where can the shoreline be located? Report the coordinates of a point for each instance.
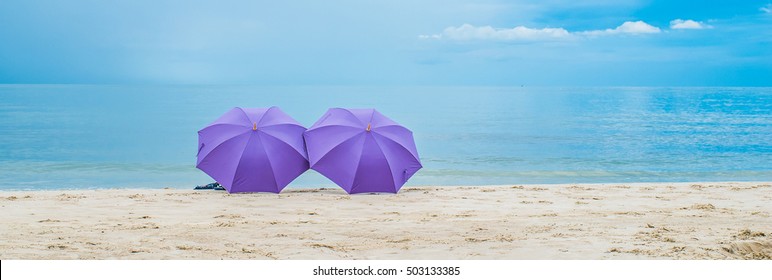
(291, 188)
(684, 220)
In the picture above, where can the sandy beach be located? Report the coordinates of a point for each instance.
(587, 221)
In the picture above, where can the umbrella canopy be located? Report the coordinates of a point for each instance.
(362, 150)
(253, 150)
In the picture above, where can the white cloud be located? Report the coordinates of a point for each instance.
(767, 9)
(688, 24)
(629, 27)
(468, 32)
(433, 36)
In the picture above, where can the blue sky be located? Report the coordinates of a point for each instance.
(395, 42)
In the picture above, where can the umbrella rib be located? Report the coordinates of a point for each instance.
(220, 124)
(377, 144)
(390, 125)
(329, 125)
(356, 169)
(415, 156)
(282, 141)
(263, 116)
(338, 145)
(218, 146)
(271, 125)
(249, 120)
(238, 164)
(268, 158)
(355, 117)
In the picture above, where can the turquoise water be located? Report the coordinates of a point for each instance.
(75, 136)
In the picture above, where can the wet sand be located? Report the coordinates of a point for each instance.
(585, 221)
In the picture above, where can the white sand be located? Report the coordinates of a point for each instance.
(598, 221)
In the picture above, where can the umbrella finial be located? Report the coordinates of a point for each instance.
(368, 127)
(254, 126)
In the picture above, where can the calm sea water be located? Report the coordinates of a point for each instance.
(74, 136)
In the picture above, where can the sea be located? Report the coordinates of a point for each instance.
(132, 136)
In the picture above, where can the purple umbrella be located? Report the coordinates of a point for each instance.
(362, 150)
(253, 150)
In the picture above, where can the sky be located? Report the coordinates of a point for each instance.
(387, 42)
